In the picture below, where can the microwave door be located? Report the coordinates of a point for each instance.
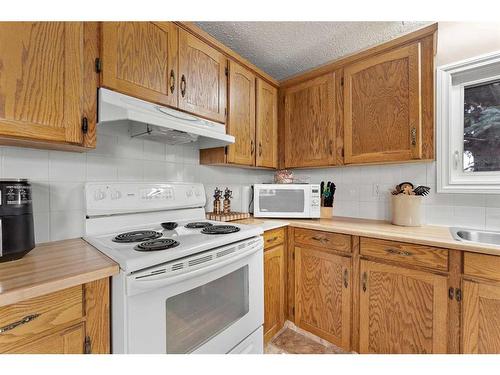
(283, 202)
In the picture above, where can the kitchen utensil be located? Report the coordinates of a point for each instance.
(422, 190)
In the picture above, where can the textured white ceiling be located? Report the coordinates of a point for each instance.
(283, 49)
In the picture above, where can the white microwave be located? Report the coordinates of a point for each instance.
(287, 200)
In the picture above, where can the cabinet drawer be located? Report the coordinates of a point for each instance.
(482, 265)
(405, 253)
(274, 237)
(27, 319)
(328, 240)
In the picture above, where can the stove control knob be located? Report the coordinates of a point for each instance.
(116, 195)
(99, 195)
(189, 193)
(197, 192)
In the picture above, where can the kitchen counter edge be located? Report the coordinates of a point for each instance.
(51, 267)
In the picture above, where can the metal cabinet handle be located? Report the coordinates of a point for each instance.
(183, 85)
(260, 149)
(458, 294)
(24, 320)
(252, 147)
(451, 292)
(398, 252)
(331, 147)
(364, 280)
(346, 278)
(172, 81)
(320, 239)
(272, 239)
(413, 135)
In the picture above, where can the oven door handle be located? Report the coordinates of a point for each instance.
(155, 281)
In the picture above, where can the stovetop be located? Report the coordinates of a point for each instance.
(151, 244)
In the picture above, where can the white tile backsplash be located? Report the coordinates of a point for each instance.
(58, 178)
(364, 191)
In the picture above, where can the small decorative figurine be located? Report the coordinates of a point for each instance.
(228, 194)
(217, 197)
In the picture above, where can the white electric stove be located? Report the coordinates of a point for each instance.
(186, 284)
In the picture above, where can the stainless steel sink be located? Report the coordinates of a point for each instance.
(474, 235)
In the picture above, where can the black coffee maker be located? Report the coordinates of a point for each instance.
(17, 236)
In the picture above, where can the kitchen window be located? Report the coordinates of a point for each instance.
(468, 119)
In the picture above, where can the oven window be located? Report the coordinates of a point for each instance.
(195, 316)
(281, 200)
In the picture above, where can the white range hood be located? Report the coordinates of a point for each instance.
(158, 123)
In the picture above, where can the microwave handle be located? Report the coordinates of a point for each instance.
(156, 281)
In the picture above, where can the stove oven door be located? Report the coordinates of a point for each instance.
(209, 309)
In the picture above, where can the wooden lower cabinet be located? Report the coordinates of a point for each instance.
(323, 294)
(68, 341)
(480, 318)
(402, 310)
(274, 291)
(70, 321)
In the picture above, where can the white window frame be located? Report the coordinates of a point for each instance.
(451, 81)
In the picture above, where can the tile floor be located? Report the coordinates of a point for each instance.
(293, 340)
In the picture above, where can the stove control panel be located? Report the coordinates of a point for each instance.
(123, 197)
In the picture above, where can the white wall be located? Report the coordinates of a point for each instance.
(58, 177)
(462, 40)
(364, 192)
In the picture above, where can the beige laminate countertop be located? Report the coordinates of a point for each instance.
(426, 235)
(51, 267)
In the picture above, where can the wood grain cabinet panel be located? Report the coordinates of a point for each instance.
(140, 60)
(480, 318)
(202, 85)
(45, 313)
(310, 122)
(382, 107)
(405, 253)
(241, 122)
(42, 93)
(266, 125)
(327, 240)
(323, 294)
(402, 310)
(274, 291)
(67, 341)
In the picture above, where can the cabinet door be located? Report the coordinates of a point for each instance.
(267, 125)
(68, 341)
(241, 122)
(274, 291)
(402, 310)
(310, 122)
(140, 60)
(480, 318)
(323, 294)
(41, 81)
(382, 107)
(202, 71)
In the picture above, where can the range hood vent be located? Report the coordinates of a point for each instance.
(157, 123)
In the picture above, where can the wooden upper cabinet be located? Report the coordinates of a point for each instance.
(202, 78)
(480, 318)
(310, 122)
(42, 89)
(140, 60)
(274, 290)
(323, 294)
(402, 310)
(241, 121)
(266, 125)
(382, 107)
